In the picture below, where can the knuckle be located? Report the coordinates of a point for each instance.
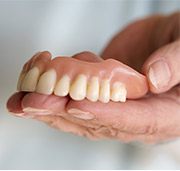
(104, 132)
(151, 129)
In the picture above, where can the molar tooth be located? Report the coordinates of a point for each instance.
(78, 88)
(118, 92)
(93, 89)
(47, 82)
(62, 87)
(30, 80)
(104, 94)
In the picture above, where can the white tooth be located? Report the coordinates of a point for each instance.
(62, 87)
(104, 94)
(118, 92)
(47, 82)
(78, 88)
(93, 89)
(20, 79)
(30, 80)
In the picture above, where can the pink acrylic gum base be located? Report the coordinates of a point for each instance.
(136, 83)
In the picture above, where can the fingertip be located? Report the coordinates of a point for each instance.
(13, 104)
(45, 55)
(43, 104)
(162, 68)
(159, 76)
(87, 56)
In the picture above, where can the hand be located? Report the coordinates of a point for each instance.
(152, 46)
(153, 118)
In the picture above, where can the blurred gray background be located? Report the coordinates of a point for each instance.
(65, 27)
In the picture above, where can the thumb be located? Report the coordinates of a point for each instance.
(162, 68)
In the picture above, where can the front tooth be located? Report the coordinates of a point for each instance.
(118, 92)
(30, 80)
(62, 87)
(104, 94)
(78, 88)
(20, 79)
(93, 89)
(47, 82)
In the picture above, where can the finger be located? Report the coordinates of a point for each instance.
(162, 68)
(14, 103)
(51, 110)
(134, 43)
(148, 116)
(37, 107)
(22, 104)
(91, 131)
(103, 129)
(87, 56)
(39, 104)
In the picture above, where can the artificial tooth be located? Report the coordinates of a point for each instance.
(47, 82)
(62, 86)
(30, 80)
(104, 94)
(93, 89)
(118, 92)
(78, 88)
(20, 79)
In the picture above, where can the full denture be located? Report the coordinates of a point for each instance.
(103, 81)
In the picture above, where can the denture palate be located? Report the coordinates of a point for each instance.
(104, 81)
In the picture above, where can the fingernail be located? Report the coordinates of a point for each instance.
(16, 114)
(159, 74)
(23, 115)
(35, 111)
(81, 114)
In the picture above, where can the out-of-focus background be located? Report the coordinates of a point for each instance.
(65, 27)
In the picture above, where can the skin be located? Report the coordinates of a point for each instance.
(151, 119)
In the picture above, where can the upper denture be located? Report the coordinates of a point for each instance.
(104, 81)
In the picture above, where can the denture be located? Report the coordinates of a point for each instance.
(104, 80)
